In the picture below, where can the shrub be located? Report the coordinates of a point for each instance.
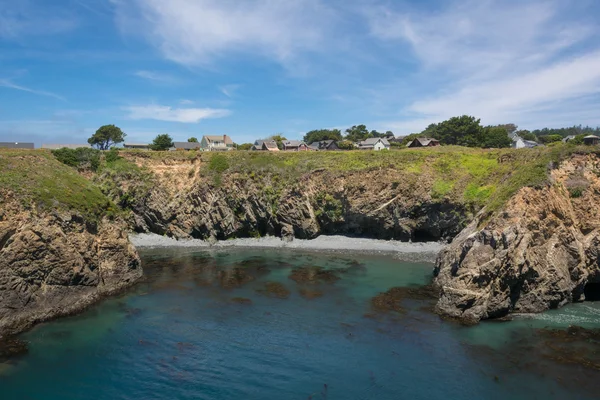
(82, 158)
(218, 163)
(329, 207)
(112, 155)
(576, 192)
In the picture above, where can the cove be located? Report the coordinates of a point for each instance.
(291, 324)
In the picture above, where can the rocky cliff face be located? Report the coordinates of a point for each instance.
(379, 204)
(54, 264)
(538, 253)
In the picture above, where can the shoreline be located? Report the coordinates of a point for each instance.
(422, 251)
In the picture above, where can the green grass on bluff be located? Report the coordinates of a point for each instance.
(473, 177)
(38, 179)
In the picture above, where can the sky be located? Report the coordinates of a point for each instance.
(254, 68)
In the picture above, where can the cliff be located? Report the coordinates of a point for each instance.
(522, 223)
(539, 252)
(409, 195)
(59, 253)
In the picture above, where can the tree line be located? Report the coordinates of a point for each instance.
(108, 136)
(550, 135)
(464, 130)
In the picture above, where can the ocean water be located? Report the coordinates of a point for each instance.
(204, 326)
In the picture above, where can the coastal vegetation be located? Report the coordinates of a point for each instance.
(162, 142)
(92, 182)
(39, 181)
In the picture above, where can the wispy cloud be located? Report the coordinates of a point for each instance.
(24, 18)
(229, 90)
(186, 102)
(157, 76)
(497, 60)
(8, 84)
(195, 32)
(166, 113)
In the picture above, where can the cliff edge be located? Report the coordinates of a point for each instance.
(58, 253)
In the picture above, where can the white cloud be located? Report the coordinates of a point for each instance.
(195, 32)
(166, 113)
(502, 61)
(186, 102)
(489, 35)
(9, 84)
(555, 83)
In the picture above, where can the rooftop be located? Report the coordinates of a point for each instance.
(217, 138)
(186, 145)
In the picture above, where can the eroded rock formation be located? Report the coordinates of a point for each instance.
(539, 252)
(382, 204)
(54, 264)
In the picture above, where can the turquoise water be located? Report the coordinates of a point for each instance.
(182, 335)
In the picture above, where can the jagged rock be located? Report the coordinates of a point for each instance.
(361, 203)
(54, 264)
(287, 233)
(538, 253)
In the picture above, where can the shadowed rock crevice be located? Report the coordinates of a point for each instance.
(592, 291)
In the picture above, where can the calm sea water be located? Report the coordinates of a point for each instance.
(202, 327)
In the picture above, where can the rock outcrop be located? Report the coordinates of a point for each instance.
(381, 204)
(55, 263)
(539, 252)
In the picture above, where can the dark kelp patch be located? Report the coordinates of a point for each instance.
(11, 348)
(393, 299)
(574, 345)
(241, 300)
(313, 275)
(309, 293)
(570, 357)
(274, 289)
(236, 277)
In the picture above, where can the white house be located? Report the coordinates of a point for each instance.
(216, 143)
(520, 143)
(374, 144)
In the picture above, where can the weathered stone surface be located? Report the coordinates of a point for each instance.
(55, 264)
(374, 204)
(538, 253)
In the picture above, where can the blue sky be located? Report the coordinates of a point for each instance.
(254, 68)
